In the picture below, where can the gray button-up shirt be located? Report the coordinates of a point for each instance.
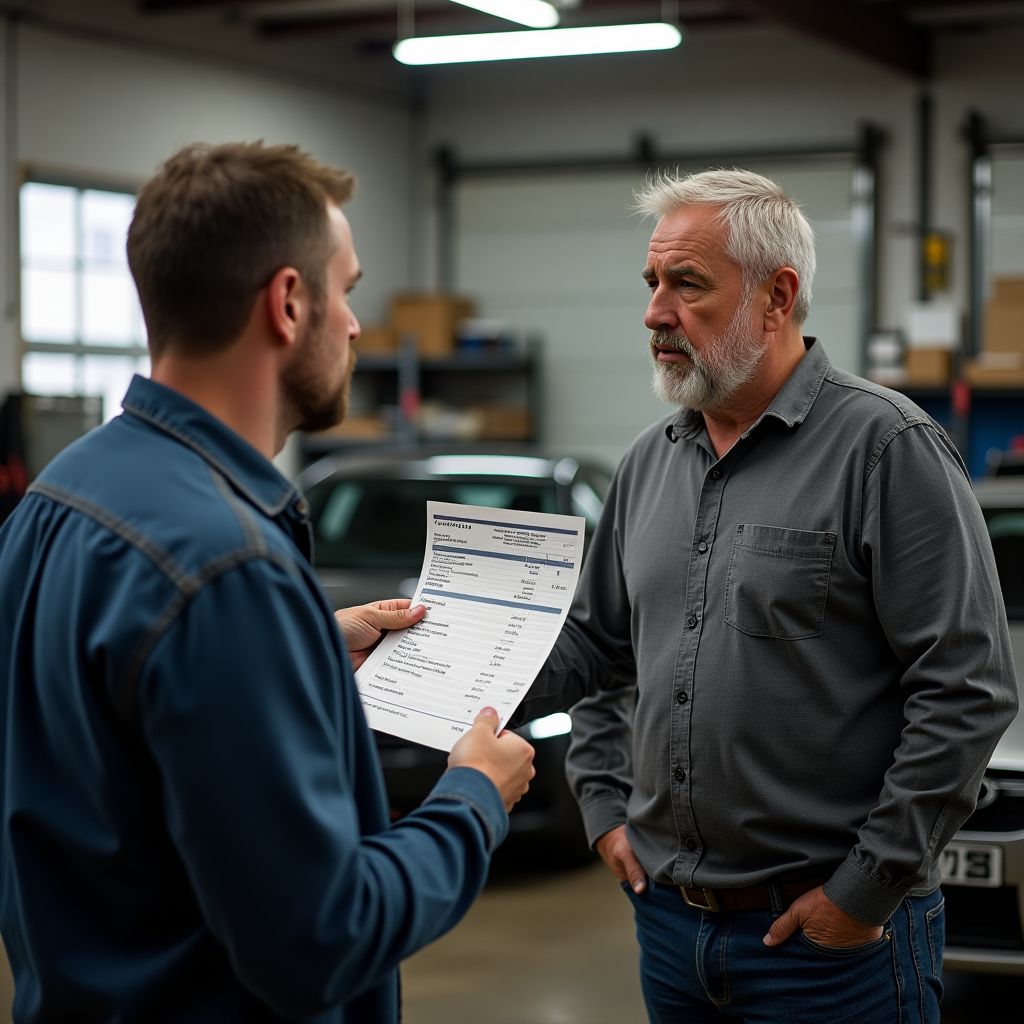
(818, 644)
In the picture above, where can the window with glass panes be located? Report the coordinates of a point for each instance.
(80, 319)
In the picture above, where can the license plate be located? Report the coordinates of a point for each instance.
(964, 864)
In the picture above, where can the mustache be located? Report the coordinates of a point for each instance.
(674, 342)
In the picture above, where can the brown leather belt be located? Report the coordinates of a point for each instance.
(764, 896)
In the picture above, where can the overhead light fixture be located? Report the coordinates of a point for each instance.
(557, 42)
(532, 13)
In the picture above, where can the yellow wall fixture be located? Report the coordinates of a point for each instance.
(556, 42)
(936, 253)
(532, 13)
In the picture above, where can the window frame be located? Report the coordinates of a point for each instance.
(81, 182)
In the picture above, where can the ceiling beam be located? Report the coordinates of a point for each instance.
(461, 19)
(870, 31)
(170, 6)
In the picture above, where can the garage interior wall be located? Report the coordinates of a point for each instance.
(102, 109)
(587, 311)
(761, 88)
(102, 106)
(1007, 248)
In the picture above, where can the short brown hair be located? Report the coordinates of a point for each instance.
(214, 225)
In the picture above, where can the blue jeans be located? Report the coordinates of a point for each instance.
(700, 967)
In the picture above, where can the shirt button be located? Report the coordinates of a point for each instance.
(679, 774)
(691, 621)
(302, 507)
(716, 474)
(682, 697)
(702, 547)
(689, 843)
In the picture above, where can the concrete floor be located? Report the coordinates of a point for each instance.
(536, 948)
(543, 947)
(559, 948)
(6, 987)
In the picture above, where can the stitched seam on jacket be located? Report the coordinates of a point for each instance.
(126, 690)
(187, 585)
(253, 534)
(480, 812)
(137, 540)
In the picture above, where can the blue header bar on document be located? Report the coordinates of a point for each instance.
(508, 526)
(562, 563)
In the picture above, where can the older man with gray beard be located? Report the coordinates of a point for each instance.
(792, 620)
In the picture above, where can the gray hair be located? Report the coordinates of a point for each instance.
(766, 229)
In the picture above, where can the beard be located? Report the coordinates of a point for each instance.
(313, 396)
(715, 374)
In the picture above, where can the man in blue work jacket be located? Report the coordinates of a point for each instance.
(194, 824)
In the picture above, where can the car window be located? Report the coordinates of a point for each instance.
(1006, 528)
(381, 523)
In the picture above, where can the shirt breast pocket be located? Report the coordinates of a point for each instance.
(777, 583)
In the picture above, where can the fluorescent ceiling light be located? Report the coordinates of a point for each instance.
(556, 42)
(533, 13)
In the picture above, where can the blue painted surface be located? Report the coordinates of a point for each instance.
(996, 419)
(996, 422)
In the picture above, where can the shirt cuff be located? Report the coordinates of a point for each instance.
(853, 890)
(472, 787)
(602, 812)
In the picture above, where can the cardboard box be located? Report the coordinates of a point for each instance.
(1004, 326)
(503, 422)
(933, 325)
(996, 370)
(376, 341)
(888, 376)
(363, 428)
(1009, 290)
(431, 319)
(928, 367)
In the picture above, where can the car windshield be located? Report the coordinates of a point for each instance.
(1006, 528)
(381, 523)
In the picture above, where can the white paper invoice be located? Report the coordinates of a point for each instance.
(497, 585)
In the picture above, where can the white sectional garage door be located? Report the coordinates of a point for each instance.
(559, 256)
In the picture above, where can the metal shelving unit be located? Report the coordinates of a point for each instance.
(390, 390)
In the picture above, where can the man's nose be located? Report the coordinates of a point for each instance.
(660, 315)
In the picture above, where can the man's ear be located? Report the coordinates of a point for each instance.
(784, 285)
(287, 302)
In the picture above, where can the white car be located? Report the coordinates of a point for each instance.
(983, 867)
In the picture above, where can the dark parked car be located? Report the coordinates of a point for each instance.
(1006, 462)
(369, 520)
(984, 865)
